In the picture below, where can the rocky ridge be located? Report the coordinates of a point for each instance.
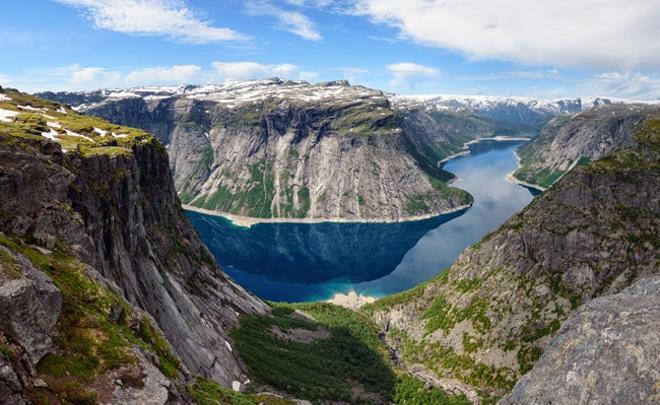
(579, 139)
(92, 206)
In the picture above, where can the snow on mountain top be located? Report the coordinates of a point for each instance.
(232, 94)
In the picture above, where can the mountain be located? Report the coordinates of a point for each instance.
(102, 278)
(273, 148)
(568, 141)
(528, 111)
(485, 321)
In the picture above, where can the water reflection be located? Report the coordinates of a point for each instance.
(298, 262)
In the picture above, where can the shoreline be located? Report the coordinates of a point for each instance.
(247, 222)
(513, 179)
(465, 150)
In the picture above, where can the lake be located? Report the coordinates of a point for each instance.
(307, 262)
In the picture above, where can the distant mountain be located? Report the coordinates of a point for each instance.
(518, 110)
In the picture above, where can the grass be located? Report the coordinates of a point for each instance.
(30, 125)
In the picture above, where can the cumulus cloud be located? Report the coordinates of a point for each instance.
(170, 18)
(406, 74)
(605, 34)
(292, 21)
(76, 77)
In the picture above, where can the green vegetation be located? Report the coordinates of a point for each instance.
(351, 363)
(9, 266)
(417, 205)
(207, 157)
(544, 177)
(363, 120)
(322, 369)
(82, 138)
(411, 391)
(92, 339)
(255, 202)
(207, 392)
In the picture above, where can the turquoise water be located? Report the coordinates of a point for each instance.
(304, 262)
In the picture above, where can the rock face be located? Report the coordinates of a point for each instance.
(273, 148)
(30, 306)
(607, 352)
(569, 141)
(115, 209)
(490, 316)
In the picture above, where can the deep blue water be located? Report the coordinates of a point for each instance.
(304, 262)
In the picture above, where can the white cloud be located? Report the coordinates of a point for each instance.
(292, 21)
(605, 34)
(152, 17)
(76, 77)
(625, 85)
(228, 71)
(406, 74)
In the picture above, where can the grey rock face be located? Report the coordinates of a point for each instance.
(589, 136)
(29, 309)
(272, 148)
(120, 215)
(608, 352)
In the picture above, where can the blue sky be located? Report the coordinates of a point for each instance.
(501, 47)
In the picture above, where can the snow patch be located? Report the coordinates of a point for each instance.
(62, 110)
(7, 116)
(100, 131)
(229, 346)
(236, 386)
(119, 135)
(4, 98)
(71, 133)
(30, 108)
(51, 135)
(54, 124)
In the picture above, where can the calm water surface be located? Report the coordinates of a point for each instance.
(304, 262)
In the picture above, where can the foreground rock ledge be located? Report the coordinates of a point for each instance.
(608, 352)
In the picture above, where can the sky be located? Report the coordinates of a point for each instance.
(546, 49)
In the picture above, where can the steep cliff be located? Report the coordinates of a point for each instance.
(93, 203)
(273, 148)
(568, 141)
(486, 320)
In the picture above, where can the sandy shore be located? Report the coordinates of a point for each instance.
(249, 221)
(510, 177)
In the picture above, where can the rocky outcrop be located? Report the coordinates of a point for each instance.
(569, 141)
(30, 305)
(607, 352)
(487, 319)
(110, 203)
